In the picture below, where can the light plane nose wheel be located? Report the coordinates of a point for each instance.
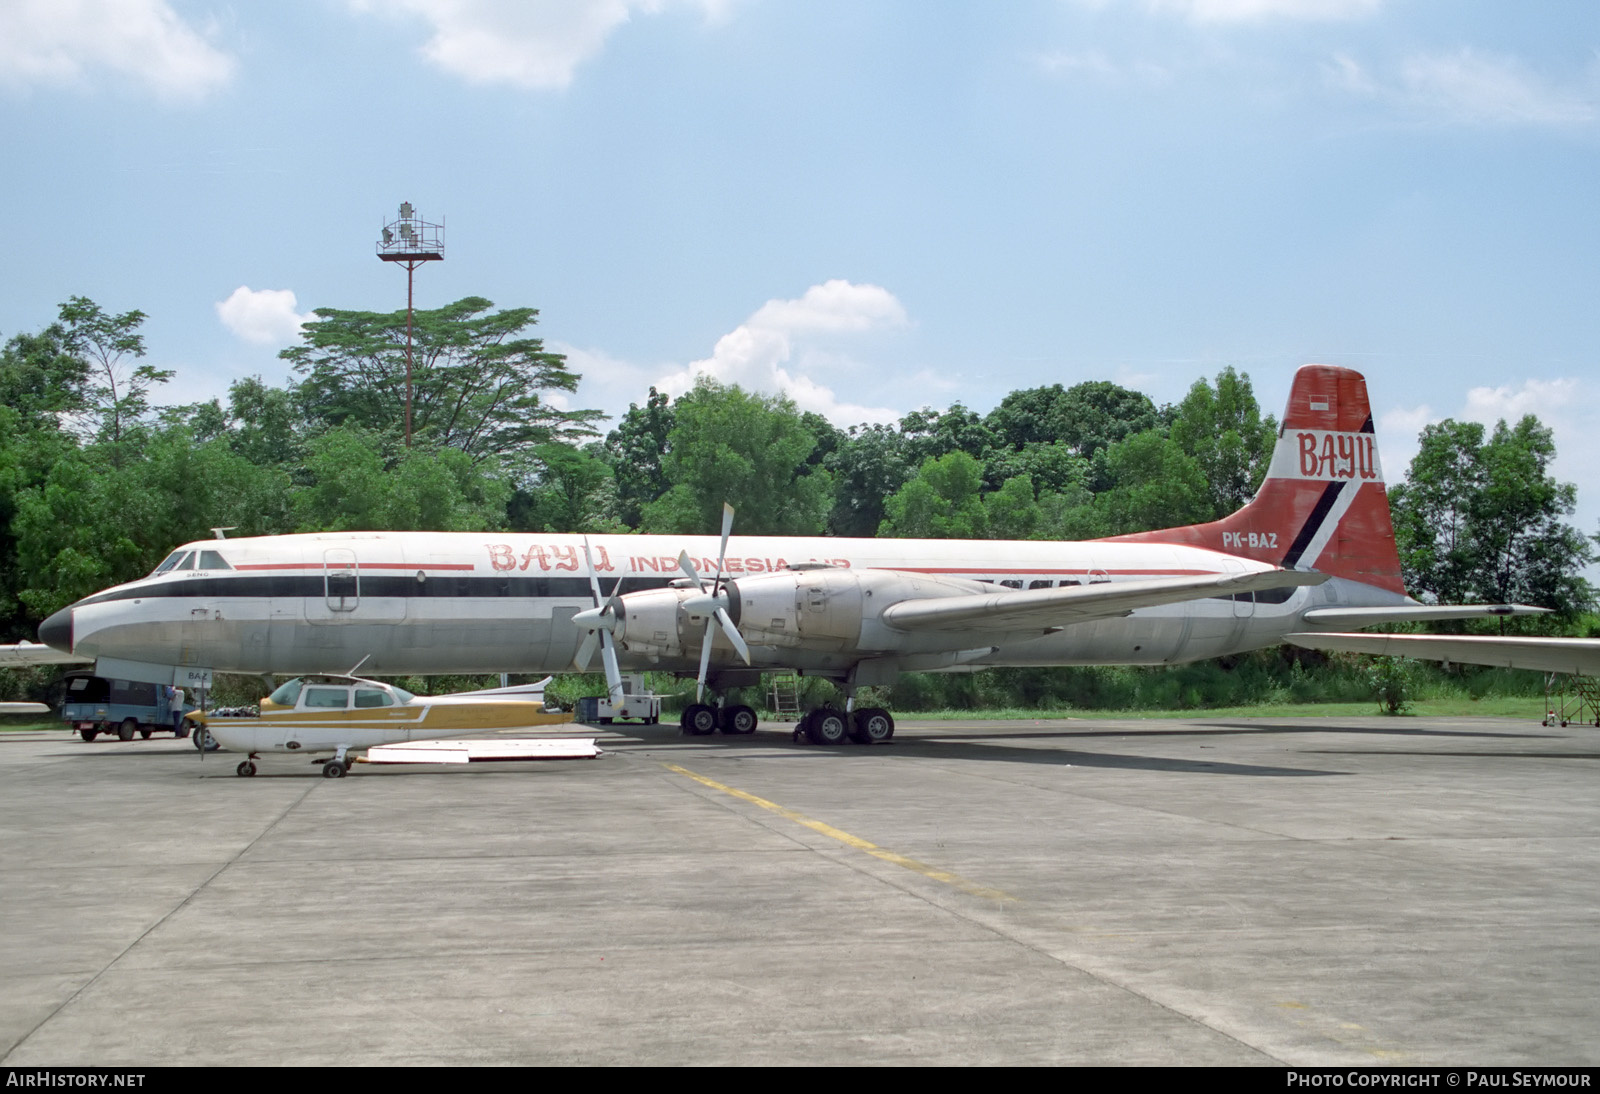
(245, 769)
(737, 721)
(872, 725)
(825, 727)
(699, 720)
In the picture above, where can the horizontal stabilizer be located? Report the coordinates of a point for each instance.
(1573, 655)
(37, 653)
(1414, 613)
(1045, 608)
(459, 751)
(24, 708)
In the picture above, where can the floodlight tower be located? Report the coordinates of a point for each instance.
(410, 241)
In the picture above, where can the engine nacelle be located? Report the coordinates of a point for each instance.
(827, 610)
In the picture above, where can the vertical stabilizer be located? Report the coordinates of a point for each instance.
(1323, 505)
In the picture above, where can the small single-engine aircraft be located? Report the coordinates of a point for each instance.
(1313, 551)
(319, 715)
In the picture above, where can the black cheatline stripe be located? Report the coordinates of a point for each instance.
(1308, 530)
(1366, 426)
(308, 586)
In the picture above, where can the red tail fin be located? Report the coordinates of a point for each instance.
(1323, 505)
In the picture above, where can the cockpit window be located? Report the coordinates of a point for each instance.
(210, 560)
(328, 698)
(287, 694)
(372, 697)
(168, 563)
(186, 562)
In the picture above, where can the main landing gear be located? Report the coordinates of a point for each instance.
(830, 726)
(822, 726)
(701, 720)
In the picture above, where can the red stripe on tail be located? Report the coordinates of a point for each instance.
(1323, 505)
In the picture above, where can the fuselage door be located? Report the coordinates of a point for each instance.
(341, 579)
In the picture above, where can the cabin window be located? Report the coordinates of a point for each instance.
(327, 698)
(1039, 584)
(372, 697)
(1011, 583)
(210, 560)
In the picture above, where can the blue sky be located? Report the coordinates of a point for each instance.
(872, 205)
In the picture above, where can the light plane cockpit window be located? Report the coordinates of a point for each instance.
(328, 698)
(287, 694)
(372, 697)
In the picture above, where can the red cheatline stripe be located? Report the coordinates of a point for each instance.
(1036, 570)
(359, 566)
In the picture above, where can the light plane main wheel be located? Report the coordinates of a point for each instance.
(699, 720)
(825, 727)
(127, 729)
(145, 731)
(333, 769)
(738, 721)
(245, 769)
(872, 725)
(86, 734)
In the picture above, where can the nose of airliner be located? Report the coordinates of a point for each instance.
(56, 631)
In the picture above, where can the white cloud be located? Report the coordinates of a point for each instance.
(1241, 11)
(264, 316)
(62, 41)
(1467, 88)
(535, 44)
(754, 354)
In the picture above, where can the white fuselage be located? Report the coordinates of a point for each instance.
(433, 602)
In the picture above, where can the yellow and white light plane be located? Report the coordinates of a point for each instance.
(1313, 551)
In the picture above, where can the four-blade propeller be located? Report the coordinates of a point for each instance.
(714, 603)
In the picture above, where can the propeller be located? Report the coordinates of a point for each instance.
(715, 603)
(600, 621)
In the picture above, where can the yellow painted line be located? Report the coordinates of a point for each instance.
(945, 876)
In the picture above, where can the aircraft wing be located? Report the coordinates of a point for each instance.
(1015, 610)
(37, 653)
(1575, 655)
(1413, 613)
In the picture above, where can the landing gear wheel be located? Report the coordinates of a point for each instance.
(699, 720)
(872, 725)
(127, 729)
(333, 769)
(203, 741)
(737, 721)
(825, 727)
(86, 734)
(245, 769)
(145, 731)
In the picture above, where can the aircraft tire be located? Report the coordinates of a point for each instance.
(127, 729)
(699, 720)
(738, 721)
(245, 769)
(333, 769)
(86, 734)
(145, 731)
(825, 727)
(871, 726)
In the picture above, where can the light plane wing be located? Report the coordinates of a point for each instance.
(1048, 608)
(36, 653)
(1574, 655)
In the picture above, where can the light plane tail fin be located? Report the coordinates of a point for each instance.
(1323, 505)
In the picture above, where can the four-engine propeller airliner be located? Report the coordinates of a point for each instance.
(1313, 551)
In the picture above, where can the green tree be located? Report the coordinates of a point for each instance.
(943, 501)
(478, 384)
(636, 449)
(749, 450)
(574, 491)
(362, 481)
(119, 395)
(1086, 417)
(1483, 520)
(868, 466)
(1154, 484)
(1222, 428)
